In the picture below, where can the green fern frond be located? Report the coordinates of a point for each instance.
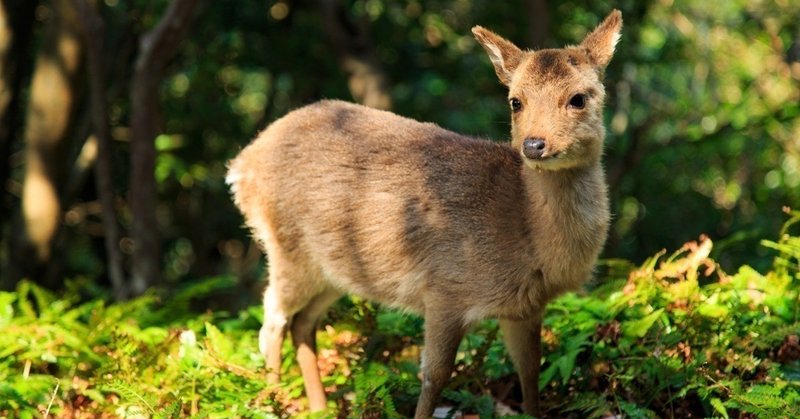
(634, 411)
(763, 396)
(129, 394)
(173, 410)
(592, 405)
(776, 336)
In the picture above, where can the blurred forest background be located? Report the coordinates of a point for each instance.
(117, 117)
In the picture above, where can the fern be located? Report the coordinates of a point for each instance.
(649, 346)
(787, 262)
(26, 393)
(178, 306)
(775, 337)
(634, 411)
(374, 393)
(762, 396)
(592, 405)
(23, 302)
(719, 407)
(173, 410)
(483, 405)
(130, 394)
(766, 400)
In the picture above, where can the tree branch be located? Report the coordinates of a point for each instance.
(159, 45)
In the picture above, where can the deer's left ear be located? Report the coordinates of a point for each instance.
(600, 43)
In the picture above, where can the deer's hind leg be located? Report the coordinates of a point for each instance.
(295, 298)
(289, 290)
(273, 331)
(304, 327)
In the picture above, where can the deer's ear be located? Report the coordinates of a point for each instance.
(600, 43)
(505, 56)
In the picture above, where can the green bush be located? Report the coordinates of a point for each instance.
(673, 337)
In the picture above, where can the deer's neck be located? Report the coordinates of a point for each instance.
(569, 217)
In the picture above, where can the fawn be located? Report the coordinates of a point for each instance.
(347, 199)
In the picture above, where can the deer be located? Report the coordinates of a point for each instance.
(348, 199)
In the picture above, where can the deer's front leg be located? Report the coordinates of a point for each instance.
(523, 341)
(443, 333)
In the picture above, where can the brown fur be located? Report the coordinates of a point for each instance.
(345, 198)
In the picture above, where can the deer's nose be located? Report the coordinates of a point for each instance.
(533, 148)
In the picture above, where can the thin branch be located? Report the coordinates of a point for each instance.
(159, 45)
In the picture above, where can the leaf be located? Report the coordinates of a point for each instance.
(218, 342)
(712, 308)
(567, 363)
(45, 300)
(24, 304)
(547, 375)
(719, 407)
(634, 411)
(639, 328)
(6, 308)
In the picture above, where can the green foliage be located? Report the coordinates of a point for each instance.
(675, 337)
(119, 359)
(677, 331)
(373, 390)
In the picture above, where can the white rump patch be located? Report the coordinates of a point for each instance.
(233, 177)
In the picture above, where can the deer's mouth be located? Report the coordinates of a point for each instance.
(548, 161)
(540, 155)
(551, 156)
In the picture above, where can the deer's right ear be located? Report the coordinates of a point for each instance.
(600, 43)
(505, 56)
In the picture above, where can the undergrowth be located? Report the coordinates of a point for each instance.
(674, 337)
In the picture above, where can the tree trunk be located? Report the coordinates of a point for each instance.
(52, 98)
(157, 47)
(538, 23)
(16, 29)
(367, 81)
(94, 31)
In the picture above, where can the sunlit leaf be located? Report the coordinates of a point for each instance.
(639, 327)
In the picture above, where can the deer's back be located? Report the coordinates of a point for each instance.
(389, 208)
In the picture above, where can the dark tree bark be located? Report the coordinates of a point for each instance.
(156, 48)
(16, 30)
(367, 81)
(539, 23)
(48, 122)
(94, 31)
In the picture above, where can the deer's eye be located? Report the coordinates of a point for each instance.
(578, 101)
(516, 104)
